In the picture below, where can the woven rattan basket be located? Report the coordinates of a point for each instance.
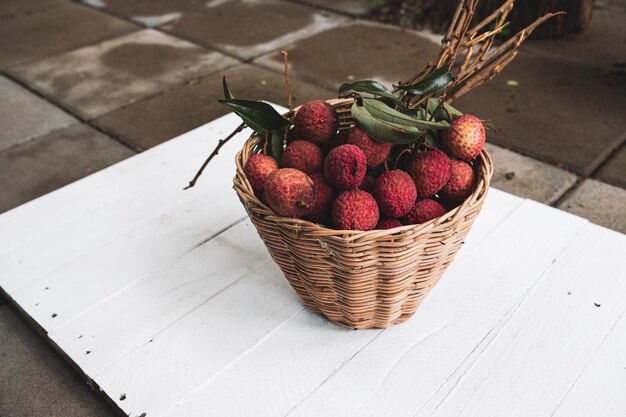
(361, 279)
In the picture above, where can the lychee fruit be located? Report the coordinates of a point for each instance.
(345, 167)
(303, 155)
(395, 193)
(368, 183)
(325, 195)
(316, 121)
(430, 171)
(290, 192)
(460, 184)
(424, 210)
(355, 210)
(258, 169)
(375, 151)
(466, 139)
(339, 139)
(388, 223)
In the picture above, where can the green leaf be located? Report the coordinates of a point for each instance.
(227, 93)
(488, 124)
(439, 112)
(382, 130)
(383, 112)
(370, 87)
(435, 82)
(277, 142)
(431, 140)
(259, 116)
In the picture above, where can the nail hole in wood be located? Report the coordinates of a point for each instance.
(54, 315)
(122, 397)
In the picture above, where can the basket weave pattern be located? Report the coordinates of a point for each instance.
(359, 279)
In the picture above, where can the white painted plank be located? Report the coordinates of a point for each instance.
(201, 344)
(130, 319)
(398, 372)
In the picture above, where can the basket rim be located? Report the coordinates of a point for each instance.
(246, 194)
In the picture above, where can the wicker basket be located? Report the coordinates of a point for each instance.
(361, 279)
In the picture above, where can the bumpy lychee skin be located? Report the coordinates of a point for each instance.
(258, 169)
(345, 167)
(316, 121)
(368, 184)
(424, 210)
(355, 210)
(375, 151)
(395, 193)
(460, 184)
(466, 139)
(430, 171)
(388, 223)
(290, 192)
(303, 155)
(325, 195)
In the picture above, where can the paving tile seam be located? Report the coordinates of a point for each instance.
(323, 8)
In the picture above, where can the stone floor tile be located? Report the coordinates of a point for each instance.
(527, 177)
(357, 51)
(34, 380)
(98, 79)
(611, 5)
(25, 116)
(603, 44)
(614, 171)
(567, 114)
(601, 203)
(26, 37)
(52, 161)
(290, 22)
(351, 7)
(13, 8)
(149, 12)
(190, 105)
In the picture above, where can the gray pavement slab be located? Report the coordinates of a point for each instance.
(30, 36)
(611, 5)
(602, 44)
(149, 12)
(357, 51)
(614, 171)
(35, 381)
(54, 160)
(527, 177)
(13, 8)
(25, 116)
(601, 203)
(157, 119)
(253, 36)
(98, 79)
(567, 114)
(351, 7)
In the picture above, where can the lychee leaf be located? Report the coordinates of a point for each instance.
(442, 111)
(435, 82)
(383, 112)
(370, 87)
(382, 130)
(227, 94)
(259, 116)
(277, 142)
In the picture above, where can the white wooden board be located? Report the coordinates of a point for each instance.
(168, 301)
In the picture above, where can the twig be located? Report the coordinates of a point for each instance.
(221, 143)
(286, 61)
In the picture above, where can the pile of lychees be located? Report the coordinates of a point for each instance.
(343, 179)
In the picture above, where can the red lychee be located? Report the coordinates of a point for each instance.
(424, 210)
(460, 184)
(355, 210)
(339, 139)
(375, 151)
(303, 155)
(316, 121)
(368, 183)
(290, 192)
(466, 139)
(395, 193)
(345, 167)
(430, 171)
(325, 195)
(388, 223)
(258, 169)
